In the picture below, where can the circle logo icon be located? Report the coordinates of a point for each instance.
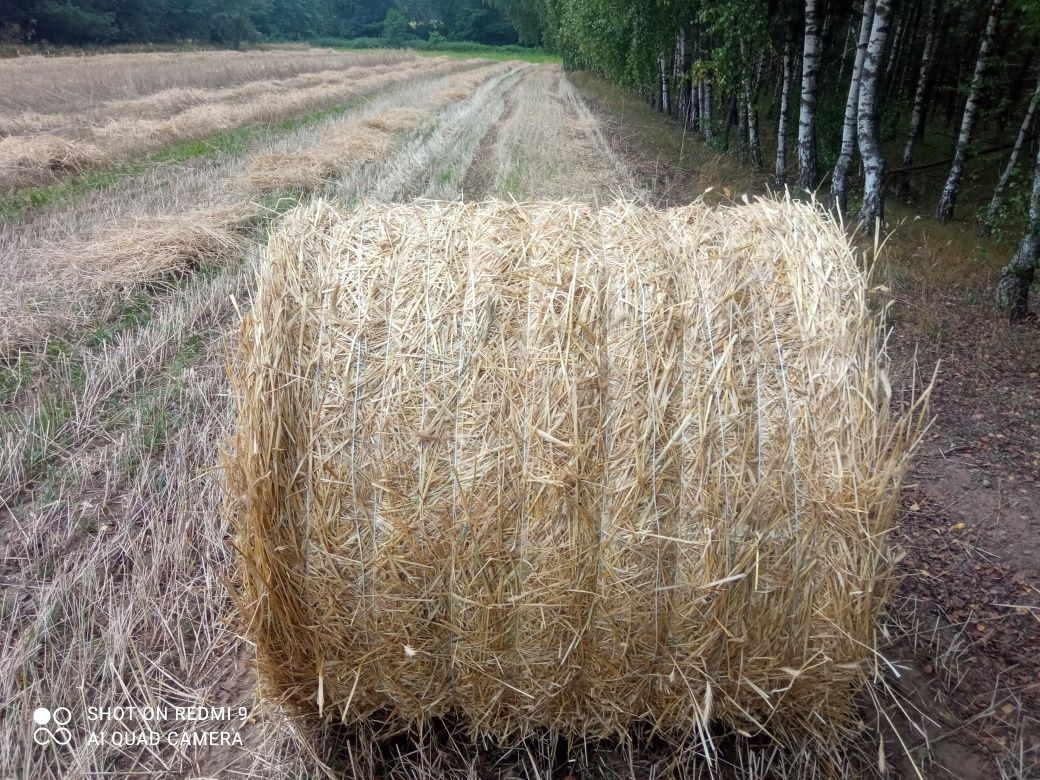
(57, 720)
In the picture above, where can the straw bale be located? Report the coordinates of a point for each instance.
(545, 467)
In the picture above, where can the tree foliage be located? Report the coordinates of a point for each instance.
(233, 22)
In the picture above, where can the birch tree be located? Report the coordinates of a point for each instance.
(923, 78)
(1009, 169)
(780, 169)
(706, 113)
(839, 178)
(873, 161)
(944, 211)
(1017, 276)
(811, 52)
(751, 97)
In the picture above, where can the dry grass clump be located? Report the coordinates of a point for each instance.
(24, 160)
(337, 150)
(547, 467)
(289, 171)
(396, 120)
(151, 248)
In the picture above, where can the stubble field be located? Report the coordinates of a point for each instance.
(136, 191)
(117, 316)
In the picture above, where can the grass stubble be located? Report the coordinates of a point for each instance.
(113, 413)
(115, 550)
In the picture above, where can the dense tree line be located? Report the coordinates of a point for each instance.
(854, 90)
(232, 22)
(850, 86)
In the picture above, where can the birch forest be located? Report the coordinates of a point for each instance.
(929, 104)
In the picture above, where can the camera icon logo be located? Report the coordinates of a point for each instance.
(51, 726)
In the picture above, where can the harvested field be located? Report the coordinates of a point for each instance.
(87, 84)
(37, 149)
(125, 273)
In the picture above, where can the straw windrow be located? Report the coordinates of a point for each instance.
(547, 467)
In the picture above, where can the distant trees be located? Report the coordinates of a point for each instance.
(395, 27)
(233, 22)
(944, 211)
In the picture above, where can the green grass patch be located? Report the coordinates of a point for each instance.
(531, 55)
(134, 313)
(459, 49)
(230, 142)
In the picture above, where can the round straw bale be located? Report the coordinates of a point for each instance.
(546, 467)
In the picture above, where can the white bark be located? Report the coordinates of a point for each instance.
(894, 50)
(849, 39)
(839, 179)
(944, 211)
(754, 149)
(873, 162)
(1018, 274)
(681, 78)
(923, 77)
(780, 171)
(1005, 176)
(811, 51)
(664, 86)
(706, 114)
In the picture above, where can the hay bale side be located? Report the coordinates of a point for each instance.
(543, 466)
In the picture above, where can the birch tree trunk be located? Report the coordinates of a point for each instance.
(894, 49)
(839, 178)
(897, 84)
(682, 68)
(811, 51)
(873, 162)
(743, 101)
(706, 114)
(923, 79)
(1017, 277)
(944, 211)
(664, 86)
(701, 124)
(754, 148)
(845, 52)
(1005, 176)
(780, 170)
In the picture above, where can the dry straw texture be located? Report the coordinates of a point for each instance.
(546, 467)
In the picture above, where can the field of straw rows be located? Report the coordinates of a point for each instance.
(617, 466)
(118, 311)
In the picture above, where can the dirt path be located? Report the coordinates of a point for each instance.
(547, 144)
